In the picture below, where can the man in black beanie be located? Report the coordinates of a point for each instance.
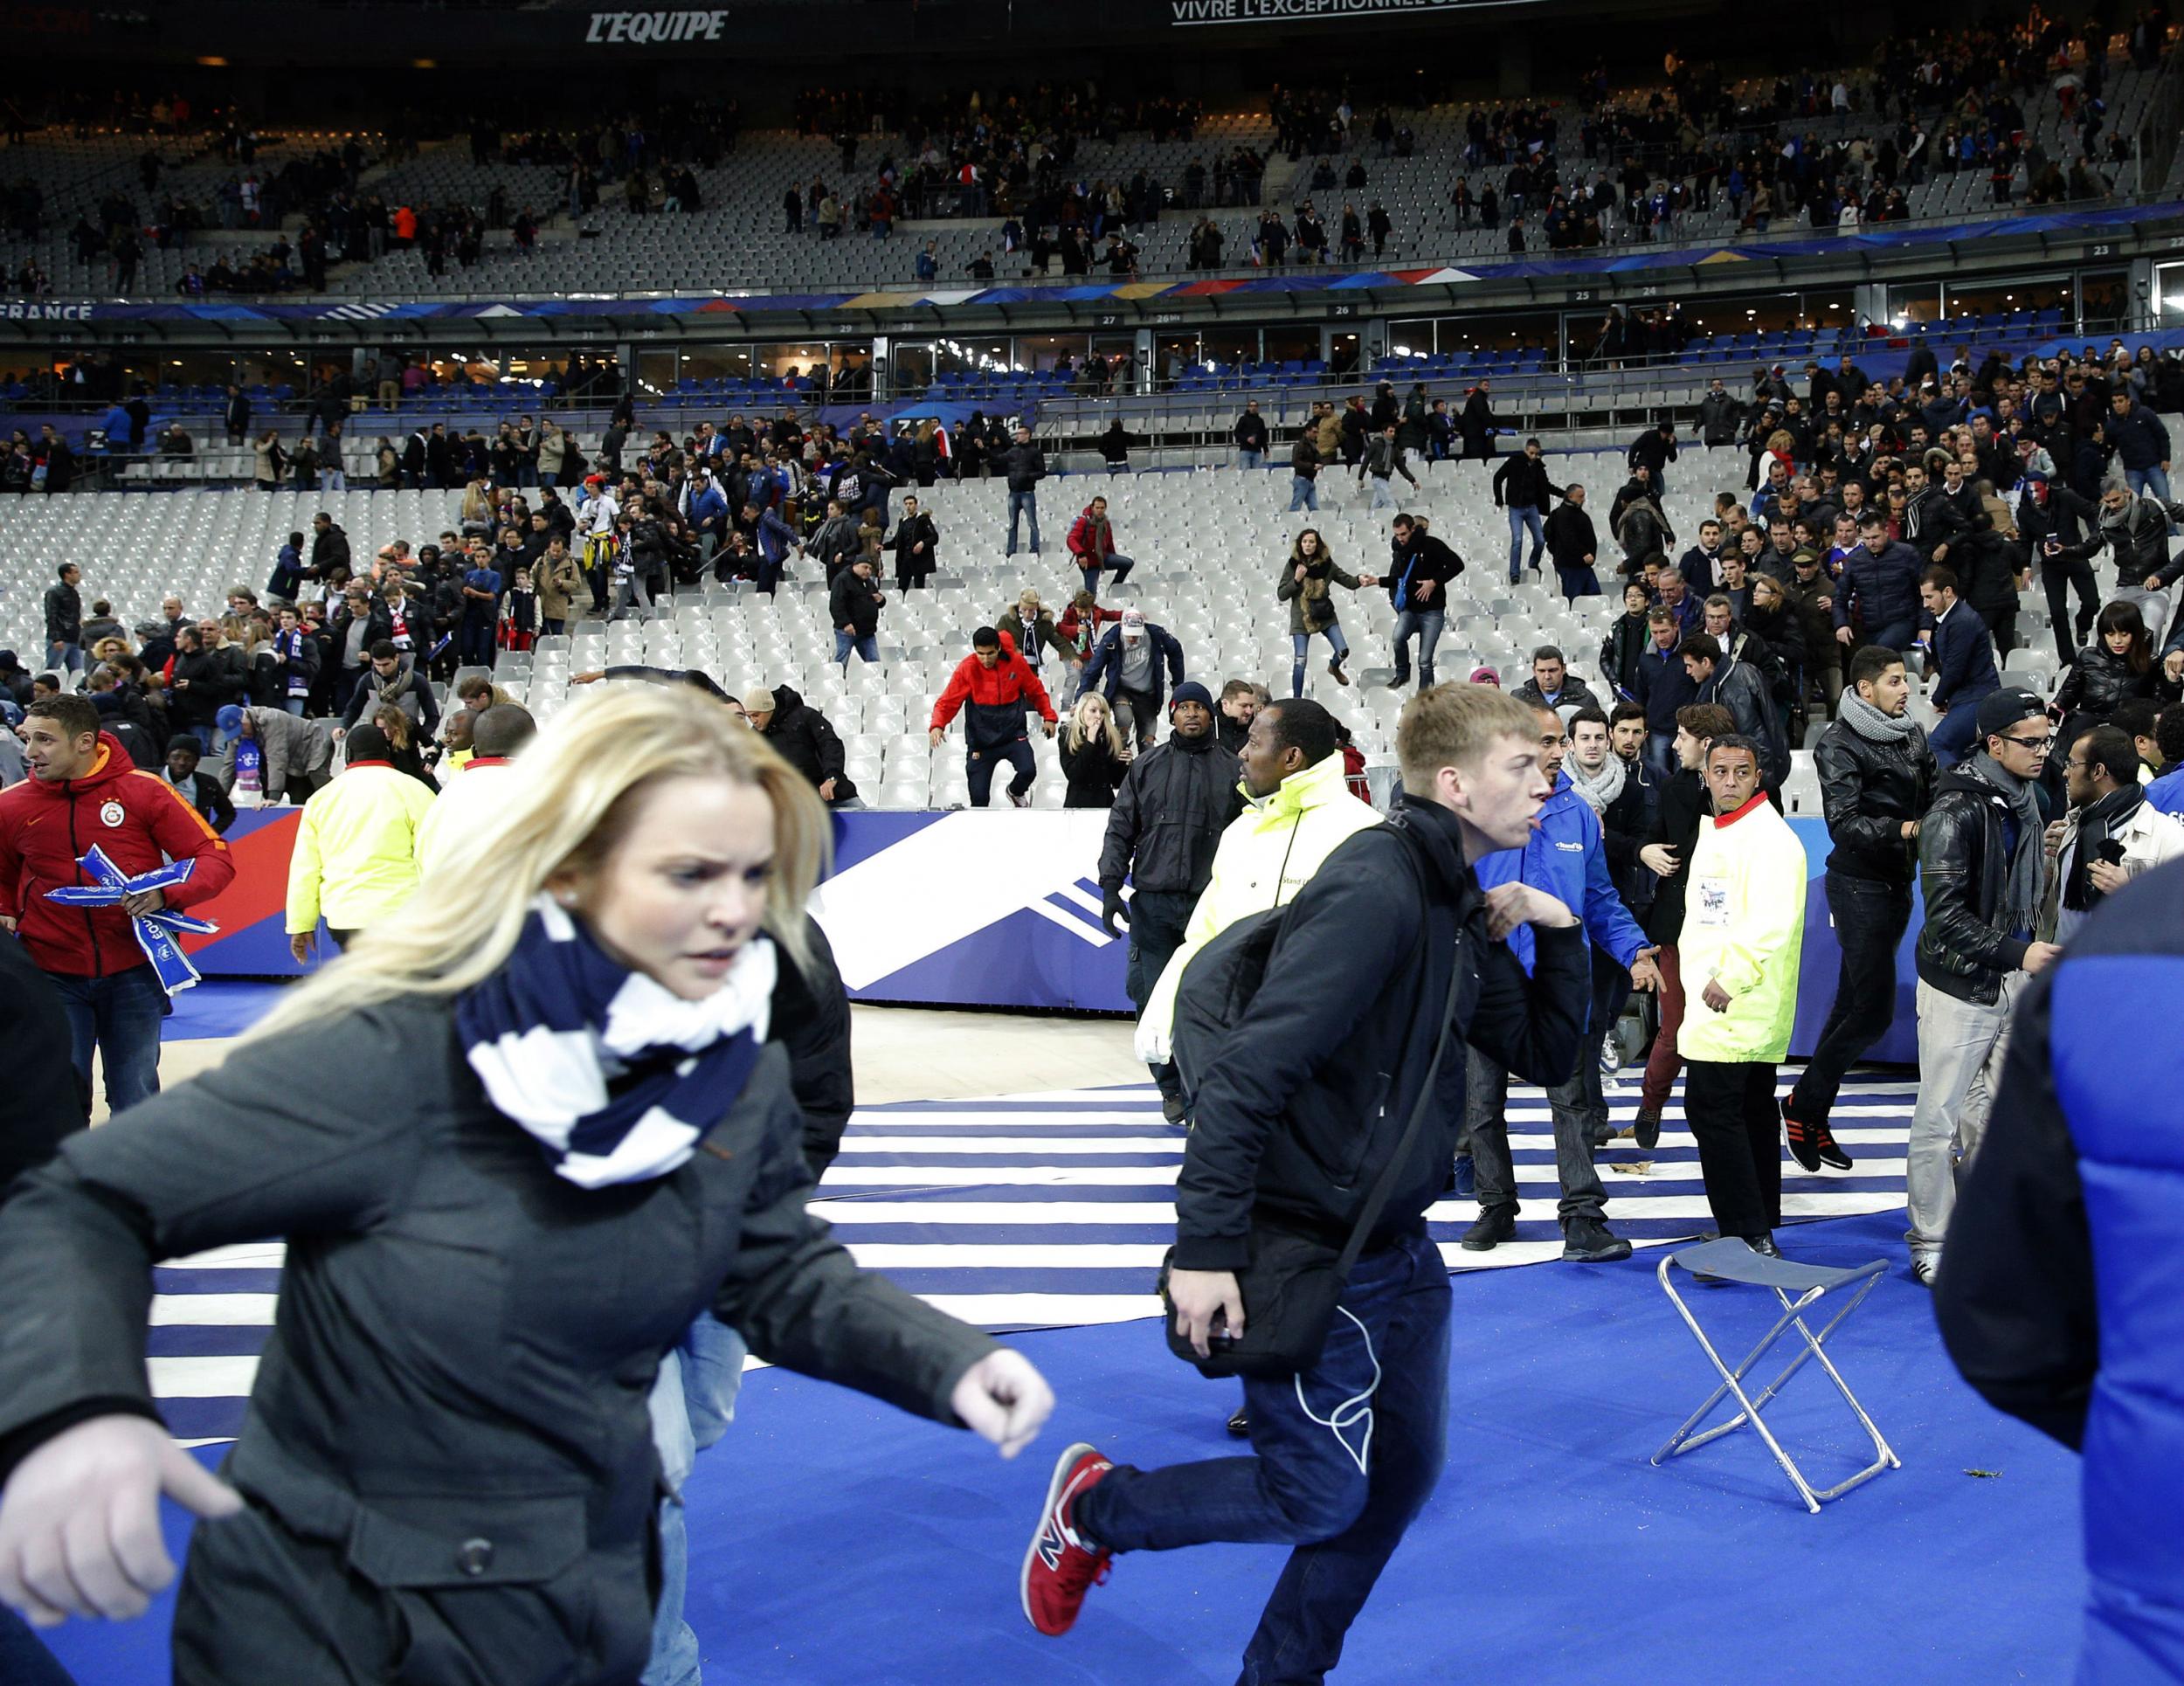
(1167, 820)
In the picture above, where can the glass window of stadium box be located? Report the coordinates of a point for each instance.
(1045, 352)
(850, 371)
(1121, 352)
(1919, 302)
(165, 372)
(1222, 351)
(957, 361)
(2169, 295)
(274, 371)
(1752, 313)
(2013, 302)
(1174, 356)
(1296, 345)
(46, 373)
(714, 362)
(655, 373)
(778, 363)
(1528, 331)
(2103, 302)
(1413, 336)
(910, 367)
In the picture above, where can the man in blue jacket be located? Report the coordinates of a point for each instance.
(2083, 1158)
(775, 540)
(1566, 858)
(2142, 445)
(1880, 579)
(1662, 686)
(705, 507)
(1963, 664)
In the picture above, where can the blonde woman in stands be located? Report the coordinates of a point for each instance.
(1095, 754)
(271, 459)
(449, 1471)
(478, 518)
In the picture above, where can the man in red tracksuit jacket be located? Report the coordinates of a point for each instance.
(83, 790)
(995, 681)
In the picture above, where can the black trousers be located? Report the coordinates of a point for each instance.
(1870, 919)
(1733, 1112)
(1157, 919)
(2057, 577)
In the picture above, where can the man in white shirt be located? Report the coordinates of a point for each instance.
(596, 516)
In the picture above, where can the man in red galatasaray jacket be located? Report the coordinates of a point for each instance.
(995, 681)
(84, 790)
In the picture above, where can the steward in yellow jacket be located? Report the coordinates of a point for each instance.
(356, 851)
(1744, 934)
(1298, 810)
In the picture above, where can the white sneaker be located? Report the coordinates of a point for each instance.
(1927, 1266)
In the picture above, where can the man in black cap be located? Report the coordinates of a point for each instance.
(1982, 871)
(1167, 820)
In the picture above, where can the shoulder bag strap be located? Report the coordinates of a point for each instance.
(1384, 1186)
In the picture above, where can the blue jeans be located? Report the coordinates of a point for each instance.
(1117, 566)
(120, 1017)
(1660, 754)
(1300, 642)
(24, 1659)
(980, 766)
(693, 1402)
(1952, 737)
(64, 658)
(1427, 623)
(1026, 504)
(1303, 494)
(1579, 581)
(2149, 482)
(1382, 492)
(1314, 1480)
(1250, 459)
(1520, 522)
(1897, 635)
(868, 648)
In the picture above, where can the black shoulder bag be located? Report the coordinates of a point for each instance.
(1291, 1284)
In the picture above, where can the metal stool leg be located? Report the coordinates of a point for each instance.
(1732, 1382)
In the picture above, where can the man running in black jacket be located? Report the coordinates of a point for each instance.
(1299, 1111)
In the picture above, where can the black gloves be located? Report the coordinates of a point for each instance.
(1112, 908)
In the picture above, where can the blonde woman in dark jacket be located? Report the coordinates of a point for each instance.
(559, 1133)
(1304, 584)
(1095, 754)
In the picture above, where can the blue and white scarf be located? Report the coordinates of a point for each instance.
(615, 1074)
(155, 933)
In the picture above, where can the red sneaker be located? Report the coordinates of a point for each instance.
(1060, 1568)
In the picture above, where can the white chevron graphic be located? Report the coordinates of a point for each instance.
(915, 898)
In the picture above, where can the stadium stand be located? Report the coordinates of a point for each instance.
(2042, 118)
(1207, 542)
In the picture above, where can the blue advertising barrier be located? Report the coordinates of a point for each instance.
(981, 909)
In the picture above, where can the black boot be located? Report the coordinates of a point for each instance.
(1586, 1240)
(1496, 1224)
